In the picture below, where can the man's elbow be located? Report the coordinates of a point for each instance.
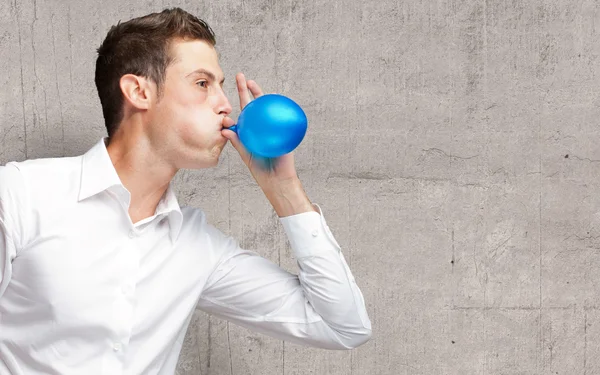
(354, 339)
(361, 338)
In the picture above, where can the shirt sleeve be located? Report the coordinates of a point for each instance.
(11, 223)
(321, 306)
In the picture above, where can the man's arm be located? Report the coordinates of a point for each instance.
(321, 306)
(7, 253)
(11, 206)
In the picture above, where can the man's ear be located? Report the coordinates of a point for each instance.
(136, 90)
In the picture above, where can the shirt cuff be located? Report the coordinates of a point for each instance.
(309, 234)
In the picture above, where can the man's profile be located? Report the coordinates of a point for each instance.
(101, 269)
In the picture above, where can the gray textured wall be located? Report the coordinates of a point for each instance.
(452, 144)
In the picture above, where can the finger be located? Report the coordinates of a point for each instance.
(254, 89)
(235, 142)
(242, 87)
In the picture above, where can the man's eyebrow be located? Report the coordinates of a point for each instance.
(207, 73)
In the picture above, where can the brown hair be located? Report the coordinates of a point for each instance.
(140, 46)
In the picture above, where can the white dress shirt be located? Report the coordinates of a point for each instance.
(83, 290)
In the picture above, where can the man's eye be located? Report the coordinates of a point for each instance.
(202, 84)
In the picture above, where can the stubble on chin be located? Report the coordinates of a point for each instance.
(215, 153)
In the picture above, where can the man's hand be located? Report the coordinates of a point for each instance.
(276, 177)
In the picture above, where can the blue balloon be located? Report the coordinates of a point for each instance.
(271, 125)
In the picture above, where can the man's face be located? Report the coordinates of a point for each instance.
(187, 119)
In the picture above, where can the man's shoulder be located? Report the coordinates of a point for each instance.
(41, 176)
(28, 186)
(11, 184)
(59, 165)
(192, 216)
(196, 224)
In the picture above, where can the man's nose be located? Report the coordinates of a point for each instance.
(223, 106)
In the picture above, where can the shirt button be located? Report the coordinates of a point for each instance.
(315, 233)
(131, 234)
(117, 346)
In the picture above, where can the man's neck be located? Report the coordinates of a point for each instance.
(142, 172)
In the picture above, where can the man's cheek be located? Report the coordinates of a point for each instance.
(201, 98)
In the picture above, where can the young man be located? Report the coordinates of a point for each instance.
(101, 270)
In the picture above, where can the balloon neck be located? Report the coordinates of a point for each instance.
(234, 128)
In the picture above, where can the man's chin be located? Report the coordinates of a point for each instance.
(201, 160)
(212, 159)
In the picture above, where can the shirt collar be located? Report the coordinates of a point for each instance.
(98, 174)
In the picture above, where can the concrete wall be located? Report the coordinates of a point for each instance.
(453, 146)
